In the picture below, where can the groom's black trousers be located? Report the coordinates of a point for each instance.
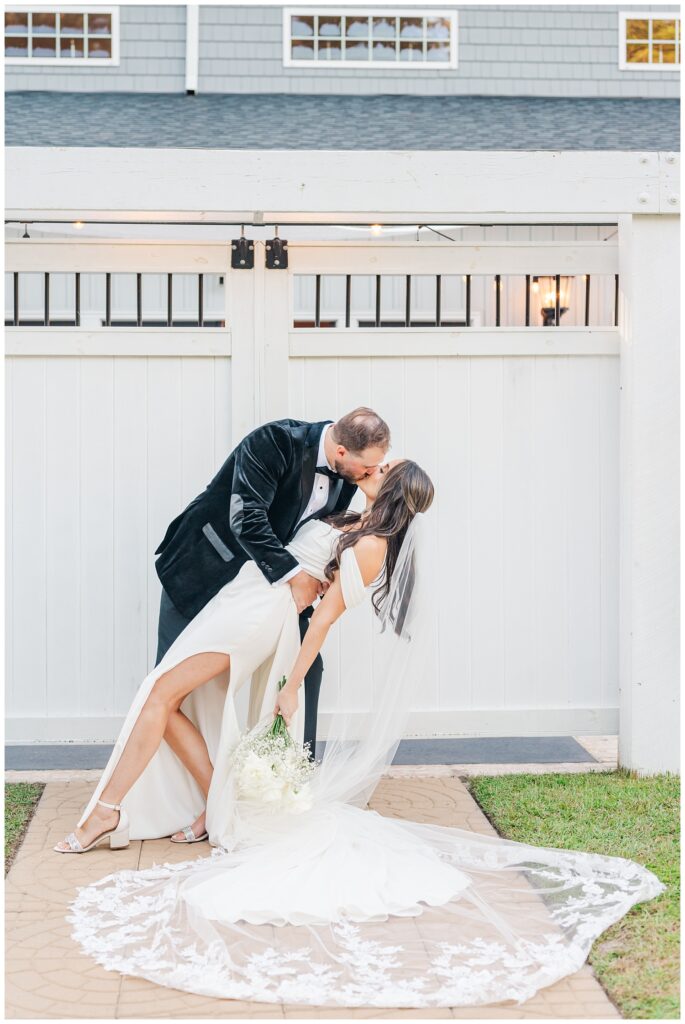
(172, 623)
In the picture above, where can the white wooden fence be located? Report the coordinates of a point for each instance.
(112, 430)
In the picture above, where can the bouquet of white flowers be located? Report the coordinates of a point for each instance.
(271, 768)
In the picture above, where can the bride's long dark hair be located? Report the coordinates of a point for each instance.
(406, 489)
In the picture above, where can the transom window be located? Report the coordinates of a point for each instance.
(648, 40)
(53, 35)
(369, 36)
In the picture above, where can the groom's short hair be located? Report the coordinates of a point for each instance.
(362, 428)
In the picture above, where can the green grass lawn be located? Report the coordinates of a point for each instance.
(636, 959)
(20, 802)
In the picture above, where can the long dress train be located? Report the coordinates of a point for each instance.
(340, 906)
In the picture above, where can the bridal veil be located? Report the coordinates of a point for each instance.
(341, 906)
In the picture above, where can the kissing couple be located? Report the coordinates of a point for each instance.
(331, 904)
(241, 567)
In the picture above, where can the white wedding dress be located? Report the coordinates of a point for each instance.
(339, 905)
(257, 624)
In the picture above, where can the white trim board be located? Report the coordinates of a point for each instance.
(149, 184)
(448, 724)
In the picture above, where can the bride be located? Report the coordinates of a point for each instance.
(167, 761)
(336, 905)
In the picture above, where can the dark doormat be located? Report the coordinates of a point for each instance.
(492, 750)
(472, 750)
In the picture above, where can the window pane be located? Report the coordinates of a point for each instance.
(43, 47)
(384, 50)
(438, 51)
(663, 53)
(16, 24)
(356, 50)
(44, 24)
(411, 28)
(303, 49)
(70, 47)
(383, 28)
(636, 29)
(100, 24)
(16, 46)
(663, 29)
(437, 28)
(330, 49)
(357, 26)
(301, 26)
(637, 53)
(99, 47)
(329, 25)
(71, 24)
(411, 51)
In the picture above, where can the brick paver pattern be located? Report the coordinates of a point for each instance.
(47, 976)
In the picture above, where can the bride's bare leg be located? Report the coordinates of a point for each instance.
(188, 743)
(165, 696)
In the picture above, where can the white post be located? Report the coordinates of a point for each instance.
(649, 493)
(192, 44)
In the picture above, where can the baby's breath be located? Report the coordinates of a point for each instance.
(272, 769)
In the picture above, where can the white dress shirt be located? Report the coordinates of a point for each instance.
(318, 497)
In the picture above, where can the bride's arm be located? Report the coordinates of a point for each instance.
(369, 552)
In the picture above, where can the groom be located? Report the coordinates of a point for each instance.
(280, 476)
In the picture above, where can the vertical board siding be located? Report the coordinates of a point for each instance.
(609, 519)
(28, 588)
(63, 530)
(523, 454)
(102, 453)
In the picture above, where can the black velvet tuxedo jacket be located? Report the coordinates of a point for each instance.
(250, 510)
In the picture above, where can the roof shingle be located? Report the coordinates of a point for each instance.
(286, 121)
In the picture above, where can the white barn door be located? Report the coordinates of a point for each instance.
(110, 431)
(517, 426)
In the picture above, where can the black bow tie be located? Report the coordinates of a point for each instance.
(328, 472)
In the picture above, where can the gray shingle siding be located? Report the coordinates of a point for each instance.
(502, 51)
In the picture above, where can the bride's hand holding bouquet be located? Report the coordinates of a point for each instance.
(271, 768)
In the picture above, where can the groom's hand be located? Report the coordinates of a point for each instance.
(305, 590)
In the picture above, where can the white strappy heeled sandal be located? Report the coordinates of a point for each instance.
(190, 836)
(118, 837)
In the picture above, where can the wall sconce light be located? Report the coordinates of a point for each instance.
(553, 292)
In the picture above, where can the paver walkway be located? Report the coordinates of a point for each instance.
(48, 977)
